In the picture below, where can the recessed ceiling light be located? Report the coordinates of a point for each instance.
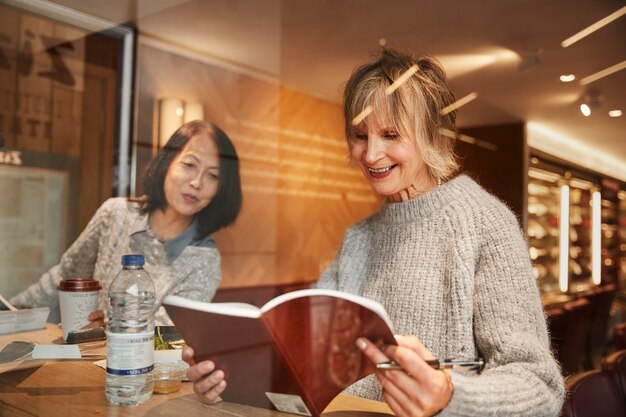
(585, 110)
(567, 78)
(615, 113)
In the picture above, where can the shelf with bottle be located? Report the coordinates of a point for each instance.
(543, 227)
(621, 239)
(587, 249)
(609, 234)
(580, 233)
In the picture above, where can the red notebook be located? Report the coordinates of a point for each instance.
(295, 354)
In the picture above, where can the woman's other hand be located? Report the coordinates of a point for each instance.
(208, 383)
(418, 389)
(96, 319)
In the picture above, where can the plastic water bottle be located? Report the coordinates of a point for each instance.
(130, 334)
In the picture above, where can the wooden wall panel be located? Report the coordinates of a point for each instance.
(97, 141)
(35, 91)
(9, 45)
(68, 63)
(504, 171)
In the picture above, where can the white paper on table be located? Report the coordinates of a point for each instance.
(56, 352)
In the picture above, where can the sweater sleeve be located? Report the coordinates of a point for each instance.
(77, 262)
(328, 280)
(521, 377)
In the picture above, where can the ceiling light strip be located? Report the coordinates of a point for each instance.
(361, 116)
(401, 80)
(601, 74)
(596, 238)
(590, 29)
(460, 102)
(468, 139)
(564, 239)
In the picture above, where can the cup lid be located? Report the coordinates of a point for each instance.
(78, 284)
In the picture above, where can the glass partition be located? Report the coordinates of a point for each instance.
(63, 139)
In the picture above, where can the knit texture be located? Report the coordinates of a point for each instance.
(98, 251)
(452, 267)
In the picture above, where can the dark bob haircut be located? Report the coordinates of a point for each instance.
(224, 208)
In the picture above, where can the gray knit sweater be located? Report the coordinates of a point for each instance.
(452, 267)
(119, 228)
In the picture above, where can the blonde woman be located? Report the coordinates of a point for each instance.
(446, 259)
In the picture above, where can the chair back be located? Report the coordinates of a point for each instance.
(615, 365)
(598, 327)
(592, 394)
(556, 320)
(619, 336)
(577, 316)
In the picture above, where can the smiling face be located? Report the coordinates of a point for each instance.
(192, 179)
(391, 164)
(406, 94)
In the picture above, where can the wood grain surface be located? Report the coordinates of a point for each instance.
(76, 388)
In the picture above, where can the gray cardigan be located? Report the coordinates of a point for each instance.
(452, 267)
(184, 266)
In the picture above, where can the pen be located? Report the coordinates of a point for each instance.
(438, 363)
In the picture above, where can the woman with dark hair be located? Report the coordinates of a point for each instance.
(192, 189)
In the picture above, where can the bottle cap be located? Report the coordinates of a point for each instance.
(132, 260)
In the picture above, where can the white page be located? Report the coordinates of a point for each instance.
(56, 352)
(229, 309)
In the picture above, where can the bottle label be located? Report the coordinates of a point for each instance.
(130, 354)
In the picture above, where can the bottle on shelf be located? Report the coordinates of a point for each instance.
(130, 334)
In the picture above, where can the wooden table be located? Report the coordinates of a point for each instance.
(75, 388)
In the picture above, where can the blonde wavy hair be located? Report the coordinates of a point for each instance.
(413, 109)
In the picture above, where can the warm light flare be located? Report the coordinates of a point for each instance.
(458, 65)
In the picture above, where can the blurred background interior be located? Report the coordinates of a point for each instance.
(90, 90)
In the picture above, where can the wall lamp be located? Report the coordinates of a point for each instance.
(173, 113)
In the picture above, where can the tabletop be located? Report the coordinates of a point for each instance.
(76, 388)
